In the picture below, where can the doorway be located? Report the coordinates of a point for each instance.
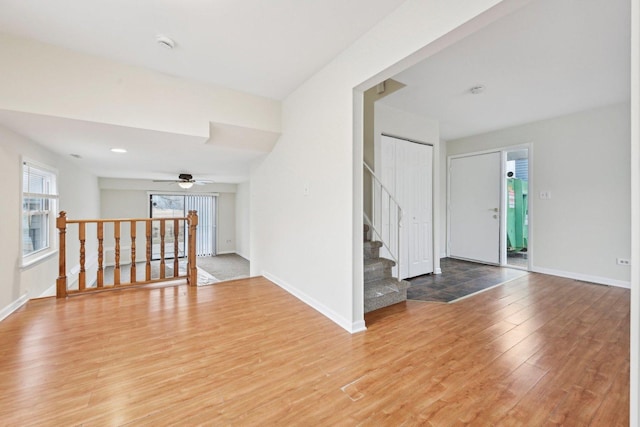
(178, 206)
(516, 219)
(488, 207)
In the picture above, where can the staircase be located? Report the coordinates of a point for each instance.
(381, 289)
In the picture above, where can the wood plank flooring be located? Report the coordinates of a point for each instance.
(537, 351)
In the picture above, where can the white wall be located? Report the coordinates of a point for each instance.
(582, 159)
(310, 242)
(226, 223)
(129, 198)
(398, 123)
(634, 397)
(243, 229)
(79, 196)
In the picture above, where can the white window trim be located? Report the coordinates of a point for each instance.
(42, 254)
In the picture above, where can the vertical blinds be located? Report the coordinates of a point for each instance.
(205, 237)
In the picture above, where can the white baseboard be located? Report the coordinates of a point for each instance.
(351, 327)
(583, 277)
(225, 253)
(49, 292)
(438, 271)
(5, 312)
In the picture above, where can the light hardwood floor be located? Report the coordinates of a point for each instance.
(537, 351)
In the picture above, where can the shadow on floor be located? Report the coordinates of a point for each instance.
(459, 279)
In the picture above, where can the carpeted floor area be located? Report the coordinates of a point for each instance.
(225, 267)
(459, 279)
(210, 269)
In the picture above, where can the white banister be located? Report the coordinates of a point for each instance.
(385, 226)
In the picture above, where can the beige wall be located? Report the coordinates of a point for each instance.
(310, 242)
(243, 230)
(226, 223)
(122, 198)
(86, 87)
(79, 196)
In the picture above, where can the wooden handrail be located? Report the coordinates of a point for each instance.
(191, 276)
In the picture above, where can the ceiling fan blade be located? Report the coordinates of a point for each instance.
(165, 180)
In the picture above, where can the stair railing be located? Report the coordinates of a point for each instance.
(386, 217)
(169, 234)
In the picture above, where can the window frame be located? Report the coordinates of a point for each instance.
(52, 197)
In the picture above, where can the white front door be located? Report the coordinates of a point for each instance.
(407, 172)
(474, 207)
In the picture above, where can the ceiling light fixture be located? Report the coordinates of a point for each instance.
(118, 150)
(186, 185)
(165, 42)
(476, 90)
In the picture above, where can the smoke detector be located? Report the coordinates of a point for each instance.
(165, 42)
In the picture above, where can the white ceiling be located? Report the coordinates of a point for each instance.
(552, 57)
(264, 47)
(151, 154)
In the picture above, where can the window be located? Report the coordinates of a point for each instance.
(172, 206)
(39, 196)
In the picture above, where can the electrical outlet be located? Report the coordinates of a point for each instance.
(545, 195)
(622, 261)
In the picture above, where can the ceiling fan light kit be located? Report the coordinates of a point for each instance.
(185, 181)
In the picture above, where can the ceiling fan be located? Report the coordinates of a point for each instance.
(185, 180)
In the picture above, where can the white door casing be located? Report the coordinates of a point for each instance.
(474, 207)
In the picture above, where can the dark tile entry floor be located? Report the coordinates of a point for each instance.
(458, 279)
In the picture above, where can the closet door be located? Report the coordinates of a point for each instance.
(407, 170)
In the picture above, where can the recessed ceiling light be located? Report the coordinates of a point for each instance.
(476, 90)
(118, 150)
(165, 41)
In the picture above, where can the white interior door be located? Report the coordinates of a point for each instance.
(415, 178)
(474, 207)
(407, 171)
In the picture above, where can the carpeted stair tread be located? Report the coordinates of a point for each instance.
(384, 292)
(372, 249)
(384, 286)
(380, 288)
(377, 268)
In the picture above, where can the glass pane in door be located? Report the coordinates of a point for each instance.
(167, 206)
